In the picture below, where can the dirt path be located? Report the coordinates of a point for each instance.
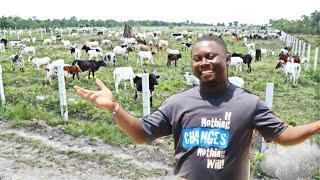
(39, 151)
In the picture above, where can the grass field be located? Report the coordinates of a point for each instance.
(295, 105)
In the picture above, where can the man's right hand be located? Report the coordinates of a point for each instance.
(102, 99)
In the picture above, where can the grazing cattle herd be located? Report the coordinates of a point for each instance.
(109, 46)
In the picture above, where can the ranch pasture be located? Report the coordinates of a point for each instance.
(29, 100)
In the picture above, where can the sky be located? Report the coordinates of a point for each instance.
(202, 11)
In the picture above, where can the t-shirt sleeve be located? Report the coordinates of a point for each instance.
(158, 123)
(266, 122)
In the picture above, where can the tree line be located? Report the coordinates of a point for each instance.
(18, 22)
(304, 25)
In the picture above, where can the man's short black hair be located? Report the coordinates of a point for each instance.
(212, 38)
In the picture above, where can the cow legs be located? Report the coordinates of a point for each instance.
(151, 98)
(135, 95)
(175, 63)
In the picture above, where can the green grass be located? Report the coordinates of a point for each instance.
(294, 105)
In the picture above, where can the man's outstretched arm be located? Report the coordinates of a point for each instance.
(295, 135)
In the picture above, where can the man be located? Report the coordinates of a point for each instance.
(212, 124)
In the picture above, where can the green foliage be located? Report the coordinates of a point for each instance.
(18, 22)
(305, 25)
(316, 175)
(256, 165)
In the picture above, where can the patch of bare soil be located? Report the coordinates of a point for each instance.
(39, 151)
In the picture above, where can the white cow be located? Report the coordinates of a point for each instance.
(144, 55)
(28, 50)
(238, 81)
(237, 63)
(66, 43)
(122, 73)
(37, 62)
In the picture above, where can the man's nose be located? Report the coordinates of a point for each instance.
(204, 64)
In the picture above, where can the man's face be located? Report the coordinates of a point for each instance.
(209, 62)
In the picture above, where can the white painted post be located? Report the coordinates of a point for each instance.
(308, 57)
(2, 98)
(269, 94)
(300, 47)
(18, 34)
(315, 64)
(30, 35)
(309, 52)
(303, 49)
(41, 34)
(145, 94)
(297, 44)
(268, 100)
(62, 92)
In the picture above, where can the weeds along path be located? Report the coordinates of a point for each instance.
(39, 151)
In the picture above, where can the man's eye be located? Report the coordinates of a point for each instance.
(196, 58)
(211, 56)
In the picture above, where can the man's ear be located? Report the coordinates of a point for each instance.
(228, 59)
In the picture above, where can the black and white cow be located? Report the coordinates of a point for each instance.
(186, 45)
(247, 59)
(4, 41)
(153, 80)
(110, 57)
(17, 59)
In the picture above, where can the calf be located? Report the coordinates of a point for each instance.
(247, 59)
(173, 57)
(110, 57)
(89, 65)
(17, 59)
(238, 81)
(124, 51)
(153, 80)
(237, 63)
(122, 73)
(76, 52)
(145, 55)
(72, 70)
(51, 70)
(186, 45)
(37, 62)
(290, 69)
